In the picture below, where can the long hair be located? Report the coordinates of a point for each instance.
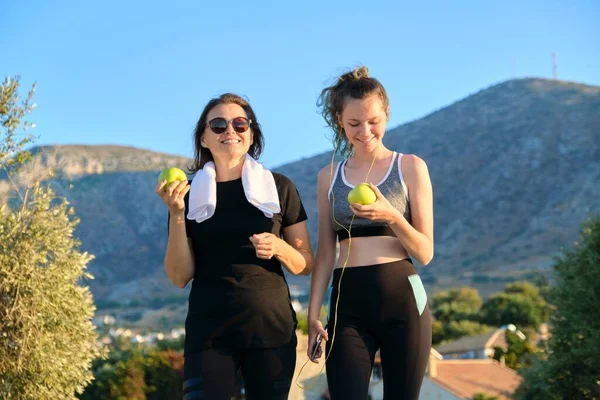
(356, 84)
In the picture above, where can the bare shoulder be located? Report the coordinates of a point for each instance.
(414, 166)
(325, 174)
(325, 178)
(326, 171)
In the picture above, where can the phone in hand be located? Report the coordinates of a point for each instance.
(317, 344)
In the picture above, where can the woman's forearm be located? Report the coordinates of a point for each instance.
(296, 261)
(417, 244)
(319, 282)
(179, 260)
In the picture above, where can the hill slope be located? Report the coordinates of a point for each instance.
(515, 170)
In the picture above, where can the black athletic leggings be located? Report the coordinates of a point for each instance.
(380, 307)
(211, 374)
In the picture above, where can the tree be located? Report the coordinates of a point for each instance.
(137, 371)
(122, 366)
(171, 344)
(521, 304)
(543, 284)
(519, 351)
(12, 140)
(47, 339)
(483, 396)
(438, 333)
(458, 329)
(455, 312)
(164, 375)
(511, 308)
(456, 304)
(119, 377)
(571, 368)
(534, 293)
(129, 381)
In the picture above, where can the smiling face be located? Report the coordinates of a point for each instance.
(230, 144)
(364, 122)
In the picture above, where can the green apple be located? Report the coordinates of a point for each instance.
(171, 175)
(362, 194)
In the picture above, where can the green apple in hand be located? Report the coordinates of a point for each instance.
(171, 175)
(362, 194)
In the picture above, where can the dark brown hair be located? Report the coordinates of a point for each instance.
(356, 84)
(203, 155)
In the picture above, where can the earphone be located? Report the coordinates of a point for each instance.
(342, 273)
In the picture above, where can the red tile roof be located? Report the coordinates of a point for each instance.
(465, 378)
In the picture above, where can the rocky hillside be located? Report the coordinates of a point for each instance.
(515, 170)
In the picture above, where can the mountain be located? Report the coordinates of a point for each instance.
(515, 170)
(122, 221)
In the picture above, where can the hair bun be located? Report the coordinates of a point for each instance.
(354, 75)
(361, 72)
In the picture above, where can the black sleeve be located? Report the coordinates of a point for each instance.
(186, 200)
(292, 208)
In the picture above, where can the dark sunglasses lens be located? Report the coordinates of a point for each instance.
(240, 125)
(218, 125)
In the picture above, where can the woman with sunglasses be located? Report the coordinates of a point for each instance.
(240, 317)
(377, 300)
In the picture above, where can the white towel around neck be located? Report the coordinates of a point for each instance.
(259, 187)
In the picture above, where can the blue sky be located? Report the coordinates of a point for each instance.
(139, 73)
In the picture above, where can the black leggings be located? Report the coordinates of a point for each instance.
(380, 307)
(211, 374)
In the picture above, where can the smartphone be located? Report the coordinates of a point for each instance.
(317, 344)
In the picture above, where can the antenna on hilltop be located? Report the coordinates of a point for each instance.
(554, 68)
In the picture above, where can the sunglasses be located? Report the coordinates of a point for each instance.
(239, 124)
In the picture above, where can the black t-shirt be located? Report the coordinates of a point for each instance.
(238, 300)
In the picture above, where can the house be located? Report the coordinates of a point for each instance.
(459, 379)
(473, 347)
(462, 379)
